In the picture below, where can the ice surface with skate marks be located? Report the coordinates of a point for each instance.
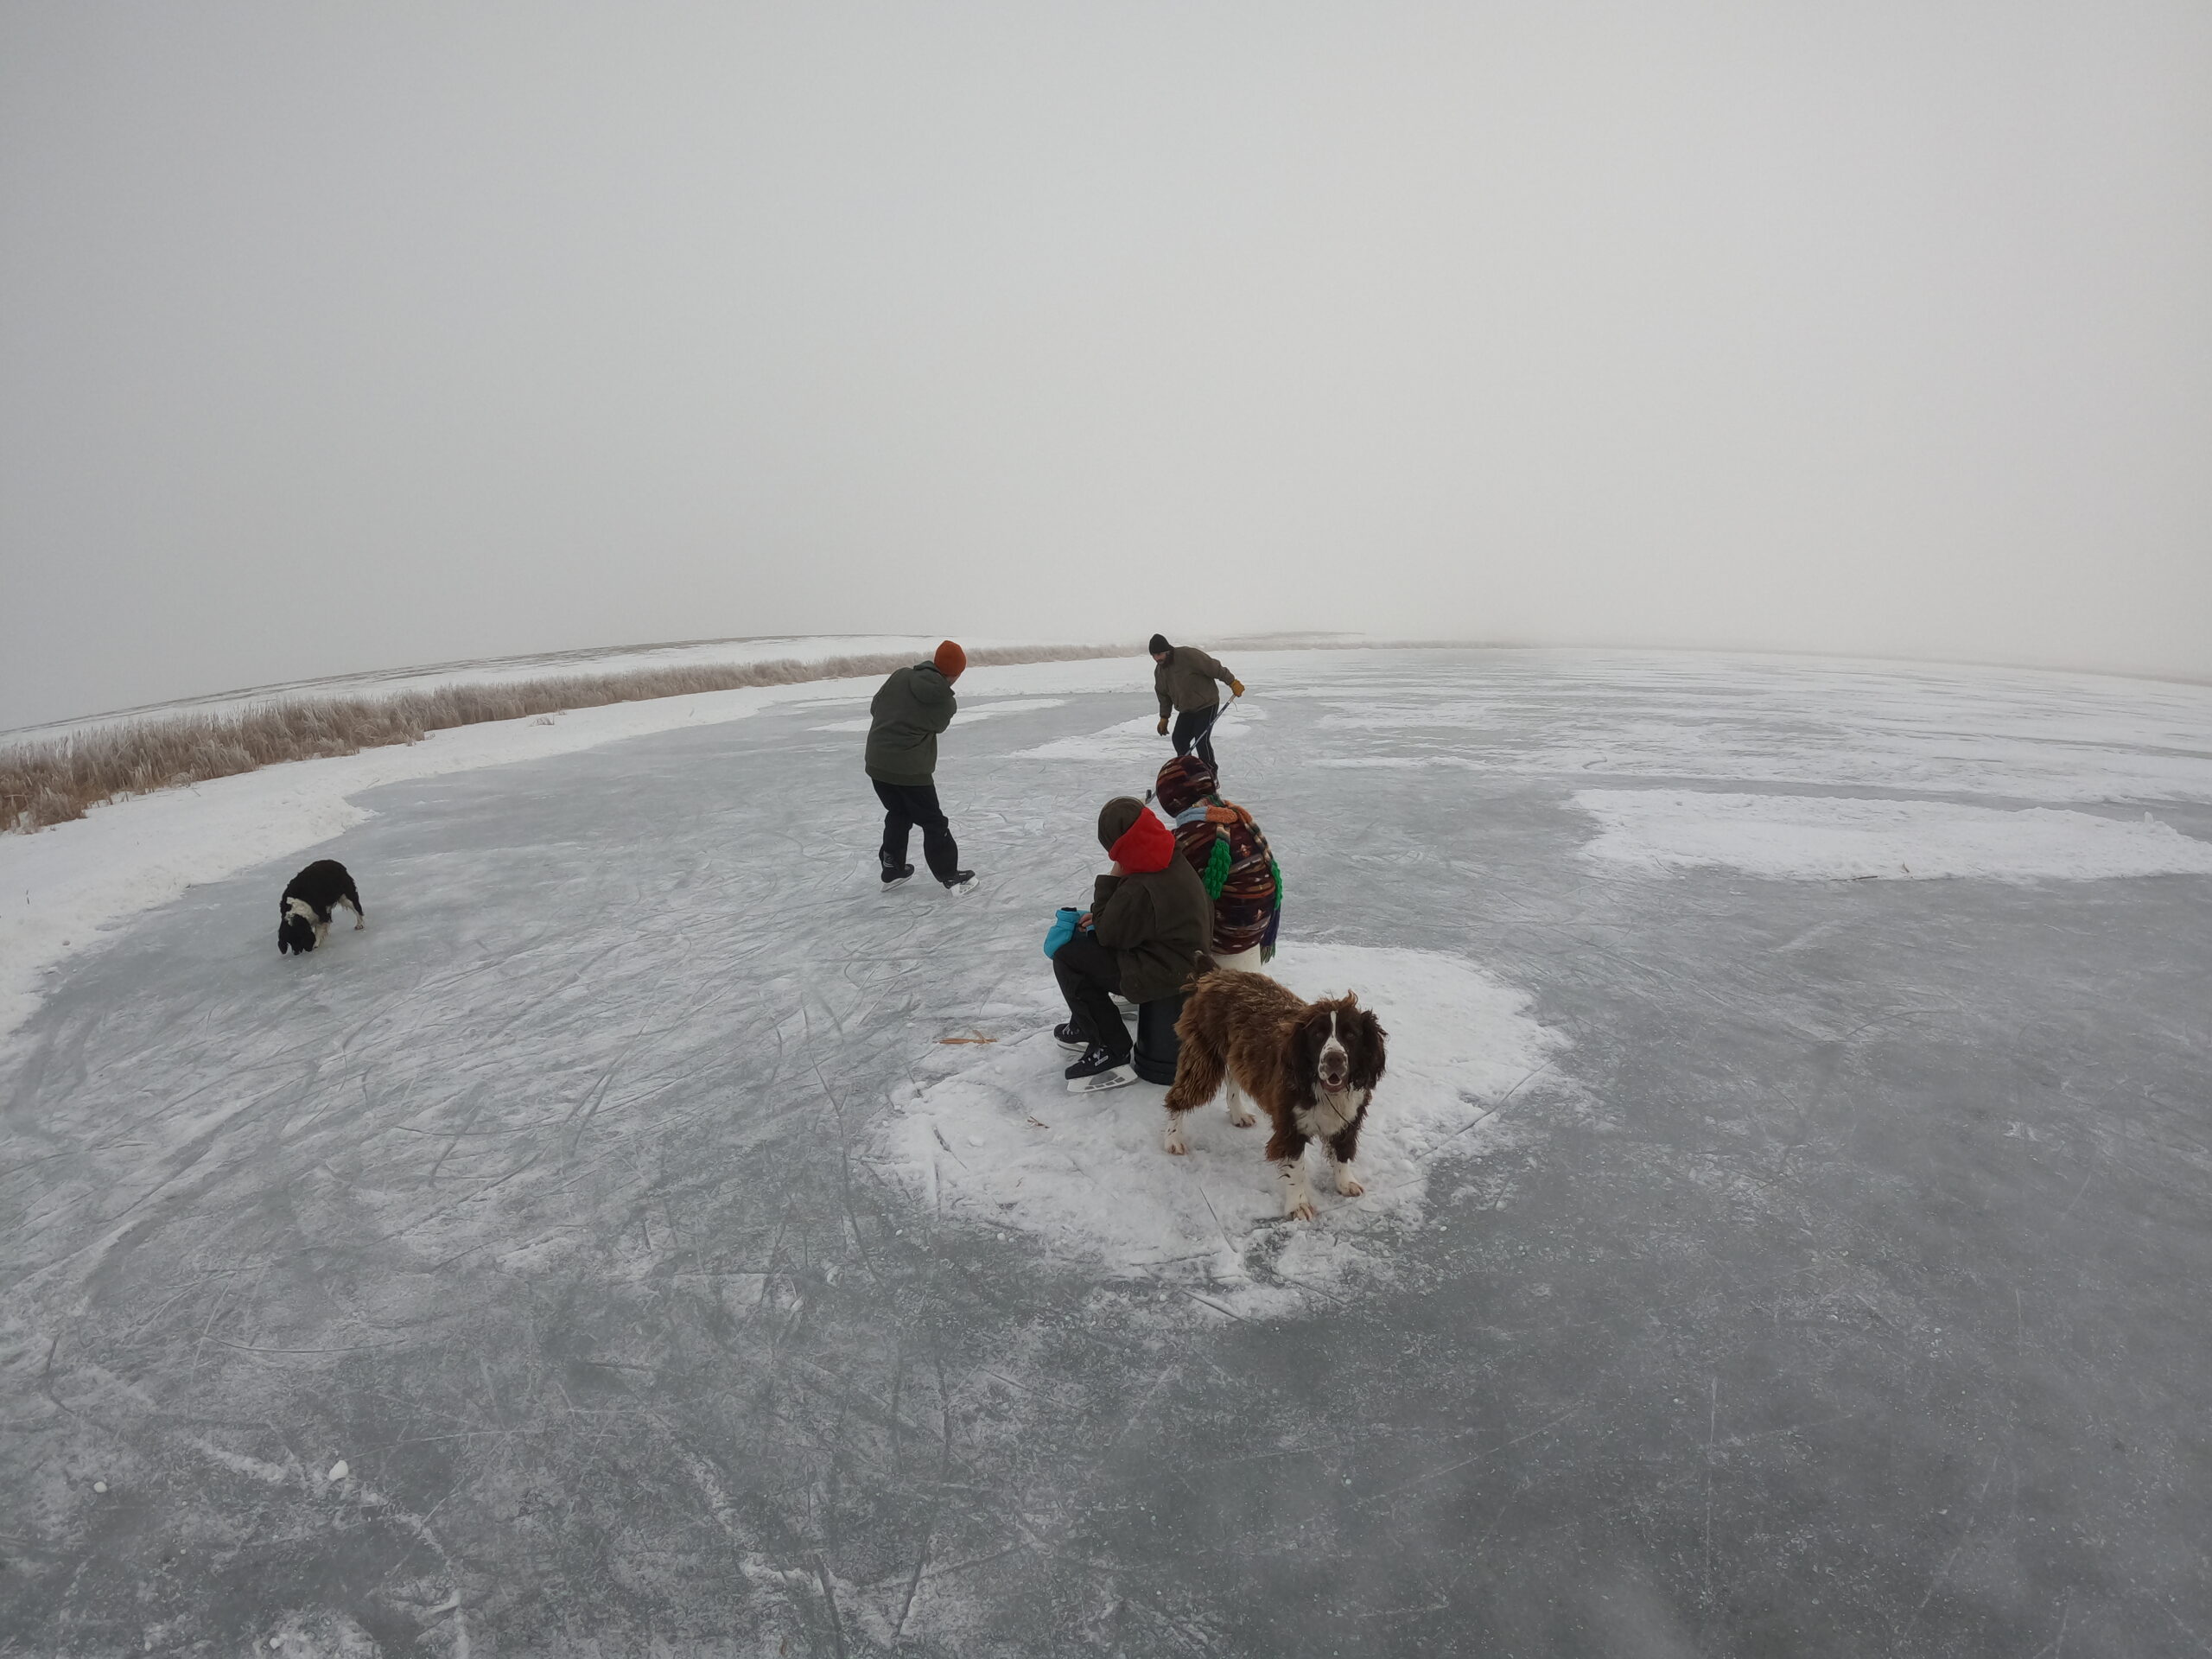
(647, 1203)
(1001, 1145)
(1925, 728)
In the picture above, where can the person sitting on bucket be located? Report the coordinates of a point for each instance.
(1148, 920)
(1183, 678)
(1219, 840)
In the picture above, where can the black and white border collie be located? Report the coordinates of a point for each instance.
(1312, 1067)
(303, 914)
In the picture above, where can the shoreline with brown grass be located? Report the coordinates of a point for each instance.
(59, 780)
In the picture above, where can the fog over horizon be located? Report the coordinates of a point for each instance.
(340, 340)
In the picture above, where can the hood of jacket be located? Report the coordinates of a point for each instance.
(1136, 838)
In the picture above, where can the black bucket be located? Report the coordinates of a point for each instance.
(1157, 1046)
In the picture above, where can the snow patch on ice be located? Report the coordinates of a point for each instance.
(1128, 739)
(1003, 1145)
(1817, 838)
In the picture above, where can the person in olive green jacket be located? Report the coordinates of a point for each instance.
(909, 709)
(1149, 918)
(1184, 678)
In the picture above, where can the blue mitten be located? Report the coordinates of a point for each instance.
(1063, 929)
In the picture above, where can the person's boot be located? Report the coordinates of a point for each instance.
(1099, 1068)
(894, 874)
(1071, 1037)
(960, 882)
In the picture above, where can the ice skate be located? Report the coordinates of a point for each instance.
(1099, 1069)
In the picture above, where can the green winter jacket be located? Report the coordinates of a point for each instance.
(1186, 680)
(909, 709)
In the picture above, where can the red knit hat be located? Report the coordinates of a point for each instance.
(949, 660)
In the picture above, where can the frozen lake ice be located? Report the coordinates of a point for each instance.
(649, 1237)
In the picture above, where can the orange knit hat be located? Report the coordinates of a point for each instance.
(949, 660)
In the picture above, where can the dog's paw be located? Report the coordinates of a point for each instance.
(1298, 1208)
(1174, 1140)
(1242, 1120)
(1348, 1184)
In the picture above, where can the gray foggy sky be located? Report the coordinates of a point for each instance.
(335, 337)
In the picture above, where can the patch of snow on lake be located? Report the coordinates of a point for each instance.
(1005, 1146)
(1128, 739)
(1816, 837)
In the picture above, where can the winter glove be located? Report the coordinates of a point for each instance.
(1237, 686)
(1163, 725)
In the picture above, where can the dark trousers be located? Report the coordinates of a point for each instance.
(905, 806)
(1194, 729)
(1087, 971)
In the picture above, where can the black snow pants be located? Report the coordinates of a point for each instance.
(1087, 971)
(1194, 729)
(905, 806)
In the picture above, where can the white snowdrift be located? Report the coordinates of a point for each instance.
(1128, 739)
(1816, 838)
(1004, 1145)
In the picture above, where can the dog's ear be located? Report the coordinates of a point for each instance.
(1367, 1052)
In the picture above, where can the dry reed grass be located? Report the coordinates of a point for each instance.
(53, 782)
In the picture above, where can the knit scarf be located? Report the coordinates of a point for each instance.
(1221, 860)
(1215, 810)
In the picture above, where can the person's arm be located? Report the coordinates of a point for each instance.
(1121, 914)
(933, 708)
(1160, 689)
(1216, 671)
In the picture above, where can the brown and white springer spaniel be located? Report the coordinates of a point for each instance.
(1311, 1066)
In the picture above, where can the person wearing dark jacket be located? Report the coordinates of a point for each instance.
(1183, 678)
(909, 709)
(1149, 919)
